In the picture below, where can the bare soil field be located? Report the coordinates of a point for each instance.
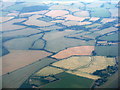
(80, 50)
(55, 13)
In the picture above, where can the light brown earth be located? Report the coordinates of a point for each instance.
(80, 50)
(55, 13)
(3, 19)
(20, 58)
(8, 26)
(72, 23)
(94, 19)
(75, 18)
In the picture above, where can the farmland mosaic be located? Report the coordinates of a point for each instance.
(59, 43)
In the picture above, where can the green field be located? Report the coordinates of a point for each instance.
(70, 81)
(106, 50)
(112, 37)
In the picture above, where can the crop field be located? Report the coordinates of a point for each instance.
(82, 14)
(73, 23)
(111, 37)
(48, 71)
(3, 19)
(80, 50)
(37, 12)
(25, 44)
(107, 50)
(23, 32)
(71, 17)
(55, 13)
(8, 26)
(108, 30)
(94, 18)
(85, 64)
(51, 28)
(106, 20)
(21, 58)
(70, 81)
(56, 38)
(98, 63)
(73, 62)
(19, 76)
(93, 25)
(83, 74)
(34, 21)
(60, 41)
(81, 67)
(78, 34)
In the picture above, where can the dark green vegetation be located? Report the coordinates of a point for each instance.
(106, 72)
(106, 75)
(34, 81)
(70, 81)
(112, 82)
(62, 80)
(114, 79)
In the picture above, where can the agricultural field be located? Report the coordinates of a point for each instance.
(79, 66)
(3, 19)
(85, 63)
(107, 50)
(9, 26)
(80, 50)
(55, 13)
(21, 33)
(25, 44)
(98, 63)
(35, 22)
(70, 81)
(83, 74)
(111, 37)
(73, 62)
(20, 58)
(48, 71)
(18, 77)
(57, 43)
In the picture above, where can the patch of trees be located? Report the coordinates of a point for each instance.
(104, 74)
